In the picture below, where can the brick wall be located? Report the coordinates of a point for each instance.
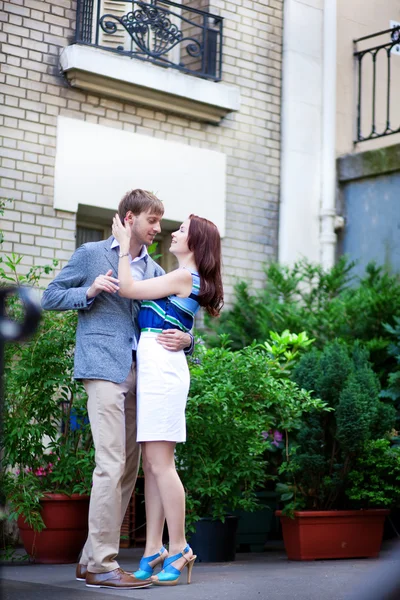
(33, 93)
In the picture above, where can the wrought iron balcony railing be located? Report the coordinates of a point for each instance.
(165, 33)
(378, 85)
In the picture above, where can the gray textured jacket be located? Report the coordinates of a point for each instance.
(107, 325)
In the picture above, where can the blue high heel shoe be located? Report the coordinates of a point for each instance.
(145, 570)
(169, 575)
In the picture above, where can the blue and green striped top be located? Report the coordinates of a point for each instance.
(171, 312)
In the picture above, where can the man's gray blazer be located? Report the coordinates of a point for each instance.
(106, 325)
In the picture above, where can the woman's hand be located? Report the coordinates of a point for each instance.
(122, 233)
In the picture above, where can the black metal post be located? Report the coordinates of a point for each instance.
(359, 100)
(389, 54)
(211, 43)
(97, 22)
(78, 21)
(373, 131)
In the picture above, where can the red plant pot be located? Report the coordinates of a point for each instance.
(66, 521)
(315, 535)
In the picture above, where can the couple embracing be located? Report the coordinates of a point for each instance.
(133, 331)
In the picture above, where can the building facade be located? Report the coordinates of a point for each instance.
(102, 96)
(340, 161)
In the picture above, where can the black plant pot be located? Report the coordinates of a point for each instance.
(214, 541)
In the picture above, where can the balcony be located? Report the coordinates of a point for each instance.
(161, 54)
(378, 84)
(164, 33)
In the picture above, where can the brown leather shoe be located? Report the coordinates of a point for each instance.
(115, 579)
(81, 571)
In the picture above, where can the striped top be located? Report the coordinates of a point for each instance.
(171, 312)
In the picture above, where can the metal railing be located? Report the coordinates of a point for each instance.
(378, 104)
(162, 32)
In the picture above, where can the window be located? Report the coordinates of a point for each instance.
(88, 233)
(93, 224)
(167, 260)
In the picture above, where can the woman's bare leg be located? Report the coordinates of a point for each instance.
(160, 462)
(155, 517)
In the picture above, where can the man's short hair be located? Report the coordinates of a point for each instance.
(138, 201)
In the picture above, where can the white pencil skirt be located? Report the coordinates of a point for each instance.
(162, 389)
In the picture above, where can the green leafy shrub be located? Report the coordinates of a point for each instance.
(375, 480)
(315, 470)
(392, 391)
(46, 442)
(327, 304)
(235, 397)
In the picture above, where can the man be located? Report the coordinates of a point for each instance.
(106, 340)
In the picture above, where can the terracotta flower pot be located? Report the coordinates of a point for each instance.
(66, 521)
(314, 535)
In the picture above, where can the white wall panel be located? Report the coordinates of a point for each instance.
(96, 165)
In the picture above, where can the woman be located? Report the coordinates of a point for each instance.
(170, 301)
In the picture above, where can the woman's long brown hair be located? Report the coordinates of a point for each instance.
(205, 243)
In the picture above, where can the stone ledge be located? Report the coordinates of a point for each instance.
(369, 163)
(149, 85)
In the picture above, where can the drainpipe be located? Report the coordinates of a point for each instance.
(328, 154)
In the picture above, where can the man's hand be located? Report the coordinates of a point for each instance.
(103, 283)
(174, 340)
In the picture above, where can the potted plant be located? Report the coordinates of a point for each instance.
(322, 517)
(328, 304)
(48, 457)
(234, 397)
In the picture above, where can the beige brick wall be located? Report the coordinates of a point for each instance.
(33, 93)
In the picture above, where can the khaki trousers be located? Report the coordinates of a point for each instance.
(112, 415)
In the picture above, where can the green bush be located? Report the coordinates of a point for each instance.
(375, 480)
(392, 391)
(46, 443)
(235, 397)
(315, 470)
(327, 304)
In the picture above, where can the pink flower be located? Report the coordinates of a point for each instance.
(277, 435)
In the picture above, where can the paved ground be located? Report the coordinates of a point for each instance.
(265, 576)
